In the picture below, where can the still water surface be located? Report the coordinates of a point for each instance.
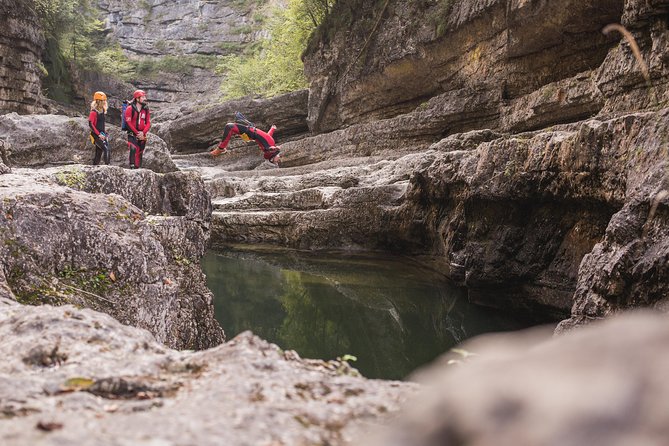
(391, 313)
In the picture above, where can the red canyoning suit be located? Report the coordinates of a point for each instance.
(138, 120)
(264, 139)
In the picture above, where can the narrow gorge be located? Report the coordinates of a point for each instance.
(517, 149)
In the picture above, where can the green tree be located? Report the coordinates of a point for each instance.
(276, 67)
(317, 10)
(74, 37)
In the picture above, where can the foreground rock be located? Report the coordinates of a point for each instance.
(603, 385)
(79, 377)
(124, 242)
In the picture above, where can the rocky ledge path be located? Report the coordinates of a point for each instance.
(327, 205)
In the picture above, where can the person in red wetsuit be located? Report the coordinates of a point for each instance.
(138, 120)
(96, 121)
(271, 152)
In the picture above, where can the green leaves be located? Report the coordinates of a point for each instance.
(73, 34)
(276, 67)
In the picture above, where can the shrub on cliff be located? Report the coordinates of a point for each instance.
(276, 66)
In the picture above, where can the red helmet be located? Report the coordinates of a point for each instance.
(138, 93)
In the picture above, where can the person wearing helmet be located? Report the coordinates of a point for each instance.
(271, 152)
(96, 121)
(138, 120)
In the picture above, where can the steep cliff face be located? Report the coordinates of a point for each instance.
(395, 55)
(21, 44)
(190, 32)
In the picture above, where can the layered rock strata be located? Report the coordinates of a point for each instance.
(21, 45)
(582, 386)
(522, 72)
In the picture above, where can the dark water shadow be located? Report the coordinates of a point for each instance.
(391, 313)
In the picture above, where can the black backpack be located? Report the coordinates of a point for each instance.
(124, 107)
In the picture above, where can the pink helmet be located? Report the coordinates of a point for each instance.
(138, 93)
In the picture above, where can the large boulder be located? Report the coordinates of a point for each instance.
(72, 235)
(47, 140)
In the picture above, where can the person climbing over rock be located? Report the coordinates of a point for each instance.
(249, 132)
(138, 121)
(96, 121)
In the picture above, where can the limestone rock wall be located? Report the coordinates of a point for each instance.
(527, 64)
(540, 210)
(21, 44)
(153, 29)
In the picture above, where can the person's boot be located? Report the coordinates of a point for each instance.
(218, 151)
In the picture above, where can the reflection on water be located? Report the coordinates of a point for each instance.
(390, 313)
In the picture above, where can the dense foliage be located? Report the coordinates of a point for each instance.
(74, 36)
(275, 66)
(76, 40)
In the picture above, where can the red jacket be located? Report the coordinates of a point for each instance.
(138, 120)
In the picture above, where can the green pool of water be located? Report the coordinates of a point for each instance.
(390, 313)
